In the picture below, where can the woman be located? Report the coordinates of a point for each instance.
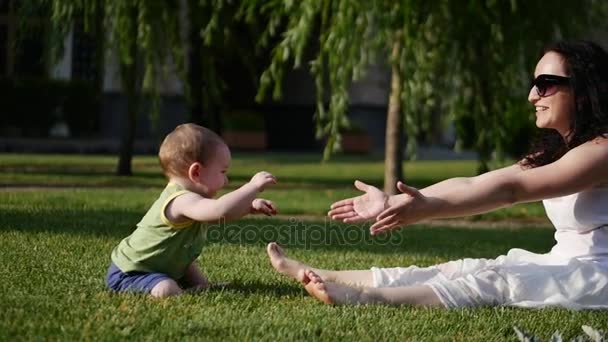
(567, 168)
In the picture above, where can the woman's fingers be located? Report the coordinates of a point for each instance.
(361, 186)
(344, 202)
(354, 219)
(391, 211)
(344, 215)
(409, 190)
(388, 220)
(341, 210)
(385, 228)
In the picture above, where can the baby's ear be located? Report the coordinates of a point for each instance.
(194, 171)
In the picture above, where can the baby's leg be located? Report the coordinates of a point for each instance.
(194, 278)
(335, 293)
(156, 284)
(295, 269)
(166, 288)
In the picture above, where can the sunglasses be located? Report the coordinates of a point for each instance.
(547, 85)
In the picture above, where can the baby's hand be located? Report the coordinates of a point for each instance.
(262, 179)
(263, 206)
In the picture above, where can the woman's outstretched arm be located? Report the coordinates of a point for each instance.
(373, 201)
(583, 167)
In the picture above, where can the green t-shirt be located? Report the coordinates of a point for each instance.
(158, 245)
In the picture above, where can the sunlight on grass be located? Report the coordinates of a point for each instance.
(56, 243)
(306, 186)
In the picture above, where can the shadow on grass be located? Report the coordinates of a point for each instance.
(258, 288)
(103, 223)
(293, 233)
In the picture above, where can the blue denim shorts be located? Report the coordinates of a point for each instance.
(139, 282)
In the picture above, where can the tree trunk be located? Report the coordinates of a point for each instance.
(127, 139)
(129, 75)
(393, 158)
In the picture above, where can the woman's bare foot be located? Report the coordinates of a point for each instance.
(283, 264)
(315, 287)
(331, 293)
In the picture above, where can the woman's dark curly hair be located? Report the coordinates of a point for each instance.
(587, 66)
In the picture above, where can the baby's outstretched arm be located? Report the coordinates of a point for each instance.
(230, 206)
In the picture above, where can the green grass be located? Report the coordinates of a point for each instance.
(55, 246)
(306, 186)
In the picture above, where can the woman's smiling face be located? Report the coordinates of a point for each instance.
(553, 111)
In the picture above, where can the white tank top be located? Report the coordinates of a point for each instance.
(581, 223)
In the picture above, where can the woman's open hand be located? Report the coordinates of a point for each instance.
(402, 210)
(361, 208)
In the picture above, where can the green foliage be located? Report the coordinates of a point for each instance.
(152, 37)
(226, 44)
(469, 62)
(146, 31)
(143, 37)
(494, 53)
(349, 39)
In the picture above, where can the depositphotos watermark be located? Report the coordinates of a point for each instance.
(299, 232)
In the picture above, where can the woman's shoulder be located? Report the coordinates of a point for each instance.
(600, 140)
(597, 143)
(592, 153)
(596, 152)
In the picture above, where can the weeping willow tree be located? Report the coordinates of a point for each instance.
(444, 57)
(153, 39)
(464, 61)
(144, 35)
(218, 39)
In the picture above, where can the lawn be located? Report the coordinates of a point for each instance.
(305, 186)
(60, 216)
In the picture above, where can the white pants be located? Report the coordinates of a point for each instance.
(520, 278)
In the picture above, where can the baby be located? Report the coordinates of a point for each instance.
(158, 258)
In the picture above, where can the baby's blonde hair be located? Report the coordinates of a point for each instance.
(187, 144)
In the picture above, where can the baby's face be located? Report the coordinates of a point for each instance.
(213, 175)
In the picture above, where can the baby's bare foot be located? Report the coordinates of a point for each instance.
(283, 264)
(331, 293)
